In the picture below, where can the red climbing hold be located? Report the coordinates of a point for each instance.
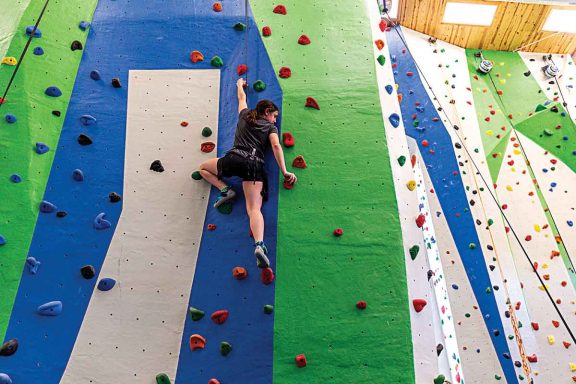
(211, 227)
(528, 238)
(299, 162)
(287, 139)
(285, 72)
(217, 6)
(183, 123)
(241, 69)
(379, 44)
(566, 344)
(207, 147)
(280, 9)
(533, 358)
(492, 112)
(197, 342)
(361, 305)
(419, 304)
(535, 326)
(287, 184)
(213, 381)
(555, 323)
(382, 25)
(487, 118)
(409, 73)
(425, 143)
(564, 283)
(240, 273)
(311, 103)
(266, 31)
(301, 361)
(267, 276)
(338, 232)
(413, 160)
(420, 220)
(196, 56)
(220, 317)
(303, 40)
(2, 100)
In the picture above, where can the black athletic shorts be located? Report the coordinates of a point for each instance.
(235, 165)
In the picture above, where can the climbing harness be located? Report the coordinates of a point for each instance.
(32, 33)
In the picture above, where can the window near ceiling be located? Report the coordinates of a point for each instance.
(469, 13)
(561, 20)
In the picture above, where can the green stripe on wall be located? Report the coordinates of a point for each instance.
(348, 184)
(27, 101)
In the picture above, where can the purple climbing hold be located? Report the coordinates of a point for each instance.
(47, 207)
(53, 91)
(95, 75)
(78, 175)
(52, 308)
(38, 51)
(100, 222)
(106, 284)
(42, 148)
(5, 379)
(394, 120)
(87, 120)
(389, 89)
(37, 32)
(15, 178)
(32, 265)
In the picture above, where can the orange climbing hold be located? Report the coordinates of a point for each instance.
(379, 44)
(285, 72)
(280, 9)
(220, 317)
(197, 342)
(400, 97)
(217, 7)
(413, 160)
(419, 304)
(301, 361)
(196, 56)
(240, 273)
(299, 162)
(304, 40)
(288, 139)
(241, 69)
(266, 31)
(207, 147)
(311, 103)
(214, 381)
(267, 276)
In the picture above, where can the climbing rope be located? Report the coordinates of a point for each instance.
(24, 51)
(461, 142)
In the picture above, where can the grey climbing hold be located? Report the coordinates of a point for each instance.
(5, 379)
(439, 349)
(106, 284)
(116, 83)
(394, 120)
(76, 46)
(9, 348)
(61, 214)
(100, 222)
(114, 197)
(78, 175)
(87, 120)
(47, 207)
(84, 139)
(32, 265)
(88, 272)
(52, 308)
(157, 166)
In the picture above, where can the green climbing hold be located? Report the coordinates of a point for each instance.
(216, 62)
(548, 132)
(498, 377)
(402, 160)
(488, 290)
(196, 314)
(414, 251)
(540, 107)
(206, 132)
(381, 59)
(415, 123)
(467, 314)
(259, 86)
(240, 26)
(225, 208)
(490, 221)
(196, 175)
(162, 378)
(268, 309)
(440, 379)
(472, 246)
(225, 348)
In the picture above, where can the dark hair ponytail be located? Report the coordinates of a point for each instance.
(262, 107)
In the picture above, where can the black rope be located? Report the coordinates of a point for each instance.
(461, 142)
(24, 52)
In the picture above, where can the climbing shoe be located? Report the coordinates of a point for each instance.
(261, 253)
(225, 196)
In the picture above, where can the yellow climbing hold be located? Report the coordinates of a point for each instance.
(508, 75)
(502, 63)
(544, 265)
(9, 60)
(509, 188)
(411, 185)
(517, 152)
(540, 287)
(572, 367)
(551, 339)
(490, 132)
(502, 81)
(537, 228)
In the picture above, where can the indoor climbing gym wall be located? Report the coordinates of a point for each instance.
(429, 238)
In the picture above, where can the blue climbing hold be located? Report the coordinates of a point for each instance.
(38, 51)
(32, 264)
(42, 148)
(10, 119)
(47, 207)
(570, 223)
(78, 175)
(95, 75)
(15, 178)
(106, 284)
(455, 286)
(84, 25)
(547, 102)
(389, 89)
(565, 138)
(53, 91)
(5, 379)
(53, 308)
(100, 222)
(393, 57)
(394, 120)
(2, 240)
(420, 109)
(37, 32)
(87, 120)
(563, 114)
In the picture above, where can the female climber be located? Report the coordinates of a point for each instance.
(255, 129)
